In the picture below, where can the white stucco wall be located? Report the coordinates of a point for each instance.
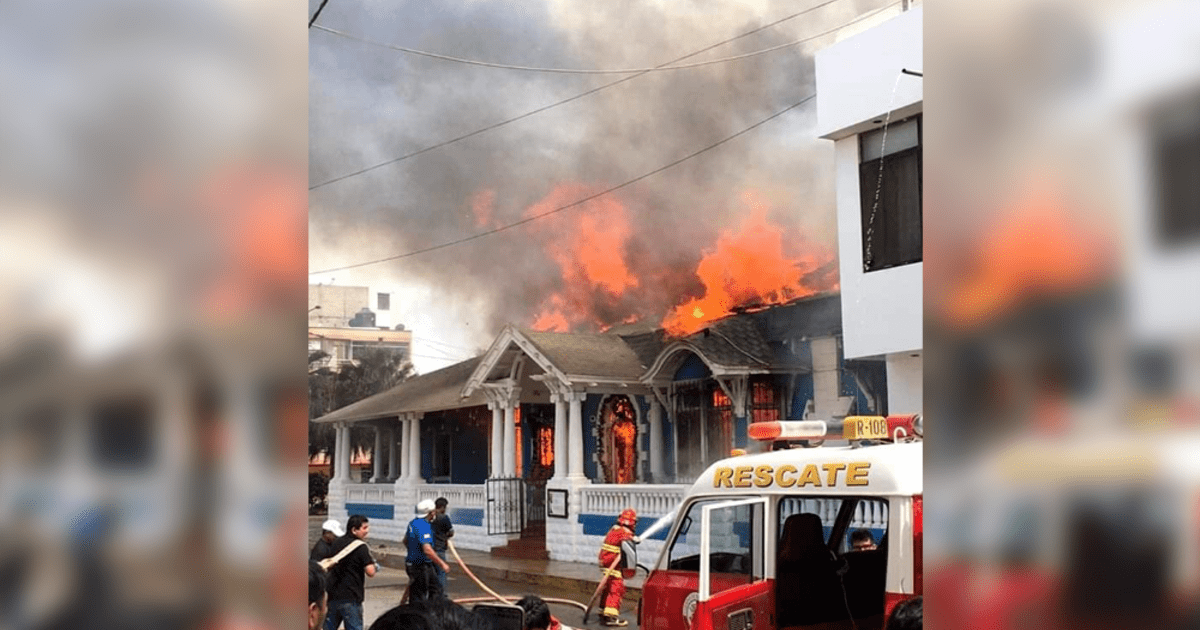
(882, 310)
(858, 82)
(857, 76)
(905, 378)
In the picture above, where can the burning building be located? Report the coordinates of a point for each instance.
(547, 434)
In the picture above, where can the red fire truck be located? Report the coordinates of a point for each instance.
(762, 541)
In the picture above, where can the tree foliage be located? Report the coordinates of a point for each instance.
(374, 370)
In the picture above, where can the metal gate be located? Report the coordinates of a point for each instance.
(505, 506)
(536, 507)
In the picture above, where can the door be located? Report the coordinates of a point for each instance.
(734, 593)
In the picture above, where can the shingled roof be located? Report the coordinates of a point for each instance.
(434, 391)
(595, 355)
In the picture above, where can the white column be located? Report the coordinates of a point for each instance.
(576, 438)
(497, 470)
(656, 441)
(414, 449)
(510, 437)
(377, 457)
(402, 452)
(343, 462)
(560, 436)
(392, 452)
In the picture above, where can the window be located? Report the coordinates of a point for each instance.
(763, 404)
(703, 426)
(385, 301)
(890, 193)
(734, 546)
(1176, 156)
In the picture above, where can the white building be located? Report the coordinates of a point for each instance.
(869, 102)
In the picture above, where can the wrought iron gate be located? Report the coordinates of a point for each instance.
(505, 506)
(536, 507)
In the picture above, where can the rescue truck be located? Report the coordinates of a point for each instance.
(762, 541)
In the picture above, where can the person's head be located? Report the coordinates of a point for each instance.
(358, 525)
(628, 518)
(318, 598)
(441, 504)
(537, 613)
(439, 614)
(427, 509)
(332, 530)
(862, 540)
(907, 615)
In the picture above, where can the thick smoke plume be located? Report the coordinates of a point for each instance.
(629, 256)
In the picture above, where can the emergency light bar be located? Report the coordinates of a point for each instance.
(895, 428)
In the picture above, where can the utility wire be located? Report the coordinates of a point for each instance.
(580, 201)
(597, 89)
(502, 66)
(314, 17)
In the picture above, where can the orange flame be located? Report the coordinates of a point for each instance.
(591, 256)
(746, 267)
(1038, 249)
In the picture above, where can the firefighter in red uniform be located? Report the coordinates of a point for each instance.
(614, 588)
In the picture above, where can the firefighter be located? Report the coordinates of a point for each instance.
(614, 588)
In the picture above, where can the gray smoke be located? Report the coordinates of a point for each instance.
(369, 104)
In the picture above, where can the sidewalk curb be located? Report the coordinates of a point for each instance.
(583, 587)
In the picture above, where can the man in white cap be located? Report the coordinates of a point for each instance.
(331, 530)
(421, 559)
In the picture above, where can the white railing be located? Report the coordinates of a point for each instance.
(369, 493)
(459, 495)
(648, 500)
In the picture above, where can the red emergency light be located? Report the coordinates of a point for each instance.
(892, 428)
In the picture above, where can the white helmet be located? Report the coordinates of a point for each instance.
(425, 507)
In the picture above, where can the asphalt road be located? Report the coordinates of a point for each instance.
(386, 588)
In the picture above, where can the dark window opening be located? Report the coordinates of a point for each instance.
(123, 435)
(1176, 162)
(890, 195)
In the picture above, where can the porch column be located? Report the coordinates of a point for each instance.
(561, 457)
(656, 442)
(343, 452)
(392, 451)
(414, 449)
(377, 457)
(510, 433)
(497, 469)
(402, 451)
(576, 438)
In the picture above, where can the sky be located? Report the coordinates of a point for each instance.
(628, 256)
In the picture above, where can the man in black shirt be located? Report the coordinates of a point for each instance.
(346, 578)
(331, 530)
(443, 531)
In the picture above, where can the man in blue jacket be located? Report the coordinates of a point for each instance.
(421, 559)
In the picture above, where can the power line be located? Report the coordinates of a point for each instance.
(575, 203)
(314, 17)
(502, 66)
(597, 89)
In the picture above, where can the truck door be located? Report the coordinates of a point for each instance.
(734, 593)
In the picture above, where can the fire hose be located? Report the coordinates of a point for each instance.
(494, 594)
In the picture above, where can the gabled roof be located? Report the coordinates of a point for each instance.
(756, 341)
(588, 355)
(434, 391)
(569, 357)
